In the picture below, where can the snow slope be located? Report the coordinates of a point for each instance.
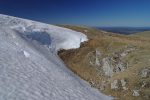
(59, 37)
(30, 68)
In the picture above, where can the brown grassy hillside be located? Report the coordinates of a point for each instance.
(112, 63)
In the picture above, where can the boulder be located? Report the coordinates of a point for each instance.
(97, 56)
(120, 66)
(145, 73)
(115, 85)
(136, 93)
(123, 84)
(107, 67)
(126, 52)
(145, 84)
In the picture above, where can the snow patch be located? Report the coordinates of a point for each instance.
(26, 54)
(62, 38)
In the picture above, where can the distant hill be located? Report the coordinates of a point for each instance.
(125, 30)
(142, 34)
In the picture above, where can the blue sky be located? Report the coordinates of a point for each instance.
(81, 12)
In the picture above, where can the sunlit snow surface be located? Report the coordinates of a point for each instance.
(30, 68)
(61, 38)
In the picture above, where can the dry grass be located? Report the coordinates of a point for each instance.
(108, 43)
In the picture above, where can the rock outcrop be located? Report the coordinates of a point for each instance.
(136, 93)
(115, 85)
(124, 84)
(119, 84)
(145, 73)
(107, 65)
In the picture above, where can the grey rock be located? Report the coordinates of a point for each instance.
(119, 84)
(123, 54)
(145, 73)
(120, 66)
(107, 67)
(115, 85)
(136, 93)
(97, 56)
(91, 58)
(145, 84)
(126, 52)
(123, 84)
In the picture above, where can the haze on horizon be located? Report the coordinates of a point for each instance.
(134, 13)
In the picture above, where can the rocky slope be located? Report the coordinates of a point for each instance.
(117, 65)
